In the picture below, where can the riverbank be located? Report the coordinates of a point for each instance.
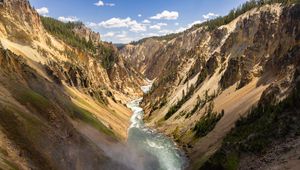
(160, 151)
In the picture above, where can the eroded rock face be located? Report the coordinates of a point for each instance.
(36, 115)
(21, 9)
(21, 24)
(142, 57)
(259, 46)
(90, 77)
(243, 47)
(212, 63)
(86, 33)
(50, 92)
(232, 74)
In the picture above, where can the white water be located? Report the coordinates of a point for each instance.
(148, 87)
(160, 151)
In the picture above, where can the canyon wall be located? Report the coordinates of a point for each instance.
(224, 71)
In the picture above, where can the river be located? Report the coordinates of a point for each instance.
(150, 144)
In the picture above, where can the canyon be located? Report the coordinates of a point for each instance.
(209, 94)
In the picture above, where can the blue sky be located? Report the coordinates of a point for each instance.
(122, 21)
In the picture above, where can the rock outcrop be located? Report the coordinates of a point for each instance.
(43, 124)
(61, 107)
(70, 95)
(86, 33)
(230, 68)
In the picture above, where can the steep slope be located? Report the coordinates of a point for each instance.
(42, 121)
(209, 76)
(54, 88)
(144, 57)
(82, 71)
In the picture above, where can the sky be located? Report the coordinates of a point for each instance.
(123, 21)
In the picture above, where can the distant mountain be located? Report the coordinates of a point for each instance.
(119, 45)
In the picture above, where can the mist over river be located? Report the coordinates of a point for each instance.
(159, 152)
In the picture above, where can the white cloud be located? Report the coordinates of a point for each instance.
(68, 19)
(110, 4)
(133, 25)
(137, 27)
(146, 21)
(123, 34)
(134, 30)
(101, 3)
(43, 11)
(155, 27)
(162, 24)
(158, 26)
(209, 15)
(115, 23)
(206, 17)
(92, 24)
(168, 15)
(119, 37)
(109, 34)
(123, 37)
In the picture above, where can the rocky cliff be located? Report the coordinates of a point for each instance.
(224, 90)
(207, 78)
(86, 33)
(42, 128)
(61, 98)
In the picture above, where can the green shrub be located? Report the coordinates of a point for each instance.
(207, 122)
(64, 31)
(223, 20)
(87, 117)
(171, 111)
(202, 76)
(254, 133)
(232, 161)
(108, 56)
(178, 105)
(234, 13)
(199, 105)
(39, 102)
